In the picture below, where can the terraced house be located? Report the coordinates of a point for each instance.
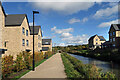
(46, 45)
(96, 41)
(114, 35)
(37, 38)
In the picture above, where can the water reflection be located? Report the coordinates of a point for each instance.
(105, 66)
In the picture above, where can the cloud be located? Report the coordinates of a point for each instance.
(63, 35)
(80, 39)
(59, 0)
(85, 19)
(67, 8)
(106, 12)
(107, 24)
(60, 31)
(31, 24)
(61, 44)
(113, 3)
(73, 20)
(48, 37)
(69, 39)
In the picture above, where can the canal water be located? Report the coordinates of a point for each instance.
(105, 66)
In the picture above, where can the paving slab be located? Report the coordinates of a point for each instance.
(51, 68)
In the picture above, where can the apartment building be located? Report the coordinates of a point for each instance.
(96, 41)
(114, 35)
(46, 45)
(37, 38)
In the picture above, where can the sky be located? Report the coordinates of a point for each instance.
(68, 23)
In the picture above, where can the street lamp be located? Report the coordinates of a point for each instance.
(34, 12)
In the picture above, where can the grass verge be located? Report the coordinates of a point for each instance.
(76, 69)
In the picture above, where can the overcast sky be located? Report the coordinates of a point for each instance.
(68, 22)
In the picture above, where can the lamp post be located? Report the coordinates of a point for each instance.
(34, 12)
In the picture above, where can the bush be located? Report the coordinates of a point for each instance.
(47, 54)
(27, 59)
(39, 56)
(20, 63)
(7, 65)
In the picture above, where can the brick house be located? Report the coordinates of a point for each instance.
(114, 35)
(46, 45)
(37, 38)
(96, 41)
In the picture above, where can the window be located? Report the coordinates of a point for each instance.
(96, 39)
(23, 30)
(27, 42)
(5, 44)
(113, 33)
(38, 44)
(46, 42)
(110, 40)
(38, 36)
(113, 45)
(110, 34)
(23, 42)
(113, 39)
(26, 32)
(96, 43)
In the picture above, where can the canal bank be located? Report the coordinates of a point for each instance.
(75, 68)
(105, 66)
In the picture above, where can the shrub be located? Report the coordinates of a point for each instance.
(20, 63)
(27, 59)
(39, 56)
(7, 65)
(47, 54)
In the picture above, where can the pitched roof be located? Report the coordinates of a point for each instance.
(46, 41)
(116, 26)
(102, 38)
(36, 30)
(45, 48)
(92, 37)
(14, 19)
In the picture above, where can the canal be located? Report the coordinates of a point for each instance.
(105, 66)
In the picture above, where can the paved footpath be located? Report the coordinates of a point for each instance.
(51, 68)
